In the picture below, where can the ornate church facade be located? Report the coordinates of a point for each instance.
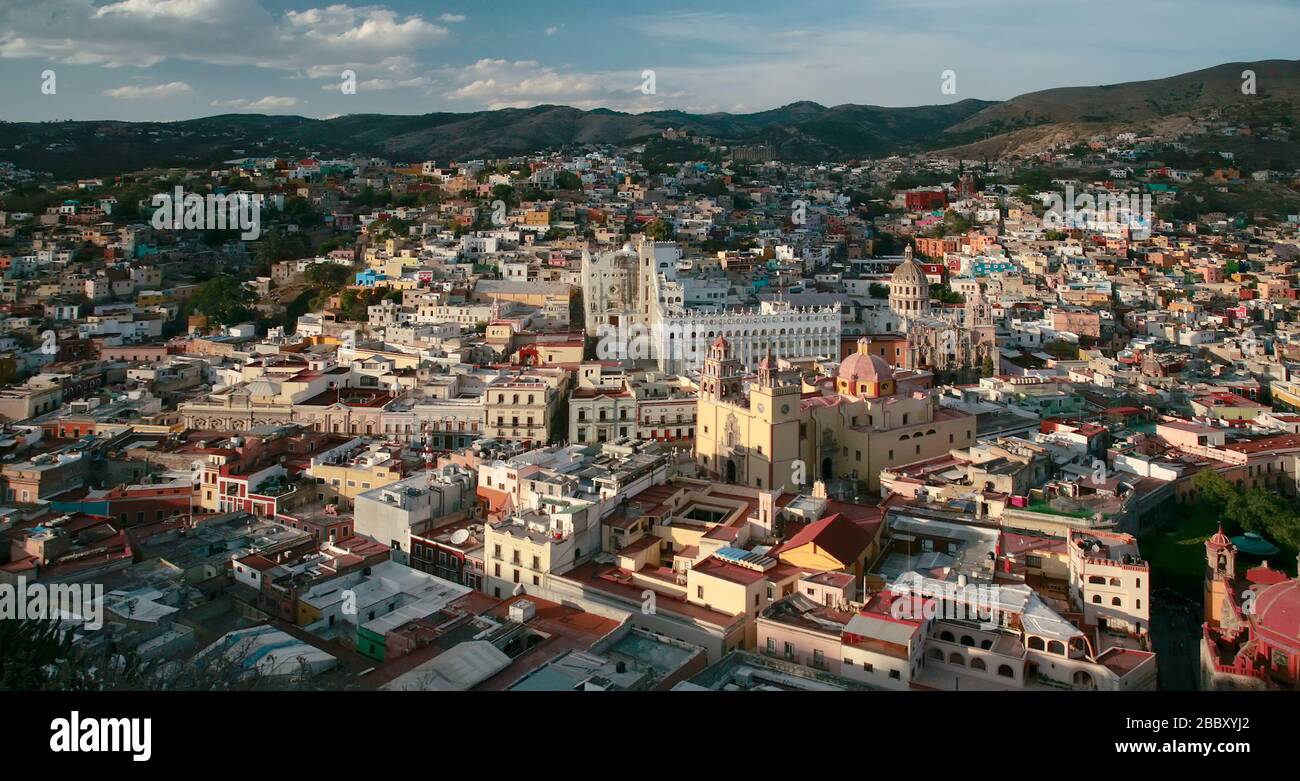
(945, 339)
(776, 429)
(635, 295)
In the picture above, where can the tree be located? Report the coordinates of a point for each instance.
(1213, 488)
(506, 193)
(394, 226)
(659, 230)
(354, 305)
(326, 275)
(945, 295)
(1062, 350)
(45, 655)
(301, 212)
(40, 655)
(567, 180)
(223, 300)
(276, 245)
(1255, 510)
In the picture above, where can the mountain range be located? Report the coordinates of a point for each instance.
(802, 131)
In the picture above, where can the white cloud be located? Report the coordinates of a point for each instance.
(451, 18)
(382, 85)
(202, 10)
(222, 32)
(268, 103)
(149, 91)
(496, 83)
(356, 30)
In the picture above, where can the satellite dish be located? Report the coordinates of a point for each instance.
(459, 536)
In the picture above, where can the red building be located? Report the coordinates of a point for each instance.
(1251, 635)
(925, 200)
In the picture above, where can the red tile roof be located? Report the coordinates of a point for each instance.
(835, 534)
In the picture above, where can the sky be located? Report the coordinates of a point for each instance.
(180, 59)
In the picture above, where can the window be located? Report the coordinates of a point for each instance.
(894, 674)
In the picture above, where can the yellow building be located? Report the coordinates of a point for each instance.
(356, 467)
(537, 217)
(769, 434)
(523, 407)
(831, 544)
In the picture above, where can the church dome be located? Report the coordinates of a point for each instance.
(909, 272)
(1277, 608)
(861, 367)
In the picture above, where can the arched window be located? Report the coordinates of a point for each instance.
(955, 658)
(1116, 601)
(1096, 599)
(1036, 644)
(935, 653)
(967, 640)
(946, 636)
(1005, 671)
(1114, 581)
(978, 664)
(1056, 647)
(1097, 580)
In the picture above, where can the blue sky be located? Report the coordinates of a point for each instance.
(178, 59)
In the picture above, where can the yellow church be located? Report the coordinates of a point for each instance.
(778, 430)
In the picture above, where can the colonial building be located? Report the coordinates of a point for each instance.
(946, 339)
(1251, 635)
(766, 432)
(638, 306)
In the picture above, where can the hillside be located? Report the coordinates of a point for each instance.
(803, 131)
(799, 131)
(1032, 122)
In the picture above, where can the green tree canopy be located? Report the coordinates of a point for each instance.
(223, 300)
